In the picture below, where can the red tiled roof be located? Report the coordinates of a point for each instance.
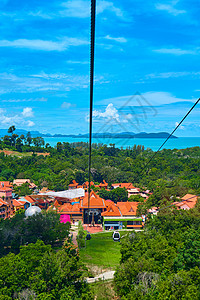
(30, 199)
(87, 183)
(17, 203)
(70, 209)
(20, 181)
(95, 201)
(125, 185)
(6, 184)
(5, 189)
(112, 211)
(128, 208)
(104, 184)
(189, 200)
(73, 184)
(108, 202)
(3, 202)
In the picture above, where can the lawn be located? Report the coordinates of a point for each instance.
(102, 251)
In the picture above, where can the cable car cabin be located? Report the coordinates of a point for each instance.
(116, 236)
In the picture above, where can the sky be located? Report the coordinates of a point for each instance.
(147, 66)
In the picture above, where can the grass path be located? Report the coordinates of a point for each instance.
(101, 251)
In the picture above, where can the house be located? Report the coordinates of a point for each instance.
(103, 185)
(86, 185)
(133, 192)
(7, 184)
(30, 200)
(92, 210)
(78, 210)
(3, 209)
(121, 215)
(21, 203)
(73, 185)
(70, 212)
(6, 195)
(188, 202)
(127, 186)
(19, 182)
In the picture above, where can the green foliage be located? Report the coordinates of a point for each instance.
(19, 231)
(39, 273)
(136, 198)
(163, 262)
(116, 195)
(81, 237)
(171, 173)
(22, 190)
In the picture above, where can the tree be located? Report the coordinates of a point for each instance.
(28, 138)
(11, 129)
(13, 138)
(136, 198)
(38, 141)
(39, 273)
(18, 231)
(7, 140)
(19, 144)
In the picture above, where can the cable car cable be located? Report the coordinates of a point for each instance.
(170, 134)
(92, 47)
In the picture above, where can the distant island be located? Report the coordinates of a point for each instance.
(120, 135)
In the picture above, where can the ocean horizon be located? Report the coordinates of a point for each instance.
(154, 144)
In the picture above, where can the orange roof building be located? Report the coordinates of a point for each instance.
(189, 201)
(3, 209)
(19, 182)
(121, 215)
(95, 201)
(7, 184)
(73, 185)
(103, 185)
(125, 185)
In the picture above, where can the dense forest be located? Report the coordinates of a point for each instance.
(170, 173)
(162, 262)
(39, 261)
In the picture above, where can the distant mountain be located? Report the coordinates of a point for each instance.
(142, 135)
(120, 135)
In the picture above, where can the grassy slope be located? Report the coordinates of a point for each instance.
(102, 251)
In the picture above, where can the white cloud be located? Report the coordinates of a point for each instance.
(172, 74)
(42, 82)
(153, 98)
(17, 119)
(110, 113)
(77, 62)
(67, 105)
(170, 8)
(43, 45)
(116, 39)
(27, 112)
(160, 98)
(81, 9)
(30, 123)
(41, 14)
(177, 51)
(42, 99)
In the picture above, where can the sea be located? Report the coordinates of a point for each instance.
(154, 144)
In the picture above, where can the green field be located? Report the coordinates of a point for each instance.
(102, 251)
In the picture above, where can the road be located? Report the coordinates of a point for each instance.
(104, 276)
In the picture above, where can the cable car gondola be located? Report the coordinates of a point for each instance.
(116, 236)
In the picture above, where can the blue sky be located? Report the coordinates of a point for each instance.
(150, 49)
